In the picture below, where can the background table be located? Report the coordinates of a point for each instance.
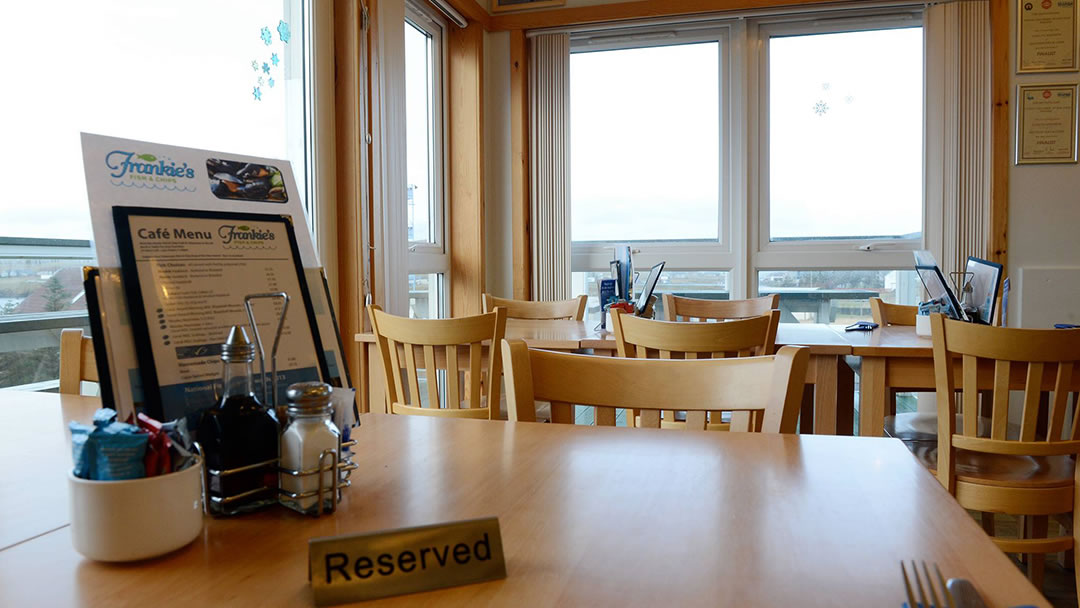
(828, 403)
(589, 516)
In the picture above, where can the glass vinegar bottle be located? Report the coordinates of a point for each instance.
(239, 433)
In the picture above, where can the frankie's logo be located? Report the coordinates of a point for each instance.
(244, 235)
(147, 171)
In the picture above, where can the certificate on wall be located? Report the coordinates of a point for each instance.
(1046, 124)
(1046, 37)
(186, 274)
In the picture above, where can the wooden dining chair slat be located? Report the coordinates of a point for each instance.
(885, 313)
(572, 309)
(770, 385)
(643, 338)
(1025, 473)
(971, 395)
(696, 310)
(439, 342)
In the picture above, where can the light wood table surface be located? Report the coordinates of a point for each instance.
(828, 406)
(35, 449)
(893, 357)
(589, 517)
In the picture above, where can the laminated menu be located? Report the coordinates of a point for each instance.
(186, 274)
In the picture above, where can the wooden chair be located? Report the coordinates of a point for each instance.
(892, 314)
(691, 309)
(642, 338)
(454, 345)
(1026, 474)
(770, 386)
(77, 362)
(572, 309)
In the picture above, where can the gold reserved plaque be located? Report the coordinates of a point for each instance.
(358, 567)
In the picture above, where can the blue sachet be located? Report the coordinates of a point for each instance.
(109, 450)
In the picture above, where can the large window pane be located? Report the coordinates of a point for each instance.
(425, 296)
(420, 133)
(846, 135)
(837, 296)
(200, 73)
(645, 143)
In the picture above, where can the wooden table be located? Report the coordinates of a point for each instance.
(35, 452)
(893, 357)
(590, 517)
(828, 406)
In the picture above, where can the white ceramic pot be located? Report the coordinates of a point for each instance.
(119, 521)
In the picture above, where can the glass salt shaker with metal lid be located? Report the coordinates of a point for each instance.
(310, 449)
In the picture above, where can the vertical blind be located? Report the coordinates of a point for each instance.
(966, 171)
(549, 124)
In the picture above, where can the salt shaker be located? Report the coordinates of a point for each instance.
(309, 432)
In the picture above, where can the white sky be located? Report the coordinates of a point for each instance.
(176, 72)
(645, 150)
(417, 127)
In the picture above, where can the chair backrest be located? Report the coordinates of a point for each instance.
(892, 314)
(77, 362)
(645, 338)
(691, 309)
(454, 345)
(771, 385)
(573, 309)
(993, 359)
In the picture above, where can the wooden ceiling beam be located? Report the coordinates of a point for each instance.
(640, 9)
(473, 11)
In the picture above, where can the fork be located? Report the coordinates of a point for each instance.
(923, 603)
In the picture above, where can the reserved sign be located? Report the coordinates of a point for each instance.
(379, 564)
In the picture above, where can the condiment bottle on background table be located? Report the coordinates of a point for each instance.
(239, 432)
(309, 432)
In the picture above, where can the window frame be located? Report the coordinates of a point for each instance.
(722, 254)
(424, 257)
(855, 254)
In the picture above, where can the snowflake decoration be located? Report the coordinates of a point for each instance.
(260, 81)
(257, 94)
(274, 59)
(270, 82)
(266, 68)
(267, 38)
(283, 32)
(255, 65)
(849, 99)
(820, 108)
(825, 86)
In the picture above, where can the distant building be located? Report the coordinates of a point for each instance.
(69, 296)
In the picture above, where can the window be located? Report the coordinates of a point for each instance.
(428, 263)
(845, 138)
(769, 154)
(645, 143)
(199, 73)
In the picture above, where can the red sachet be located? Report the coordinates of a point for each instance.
(158, 460)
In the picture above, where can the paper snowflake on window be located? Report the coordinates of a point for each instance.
(849, 99)
(283, 32)
(257, 94)
(825, 86)
(259, 81)
(820, 108)
(255, 65)
(270, 82)
(274, 59)
(266, 36)
(266, 68)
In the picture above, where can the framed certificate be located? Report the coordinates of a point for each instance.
(1046, 124)
(185, 275)
(1046, 36)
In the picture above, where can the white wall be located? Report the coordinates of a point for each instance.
(497, 177)
(1044, 225)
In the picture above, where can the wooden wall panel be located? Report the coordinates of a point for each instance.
(465, 166)
(519, 151)
(631, 10)
(1001, 150)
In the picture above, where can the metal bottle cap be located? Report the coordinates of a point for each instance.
(237, 347)
(308, 395)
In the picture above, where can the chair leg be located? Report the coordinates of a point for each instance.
(987, 519)
(892, 402)
(1036, 528)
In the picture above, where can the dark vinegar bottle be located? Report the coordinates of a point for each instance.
(239, 437)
